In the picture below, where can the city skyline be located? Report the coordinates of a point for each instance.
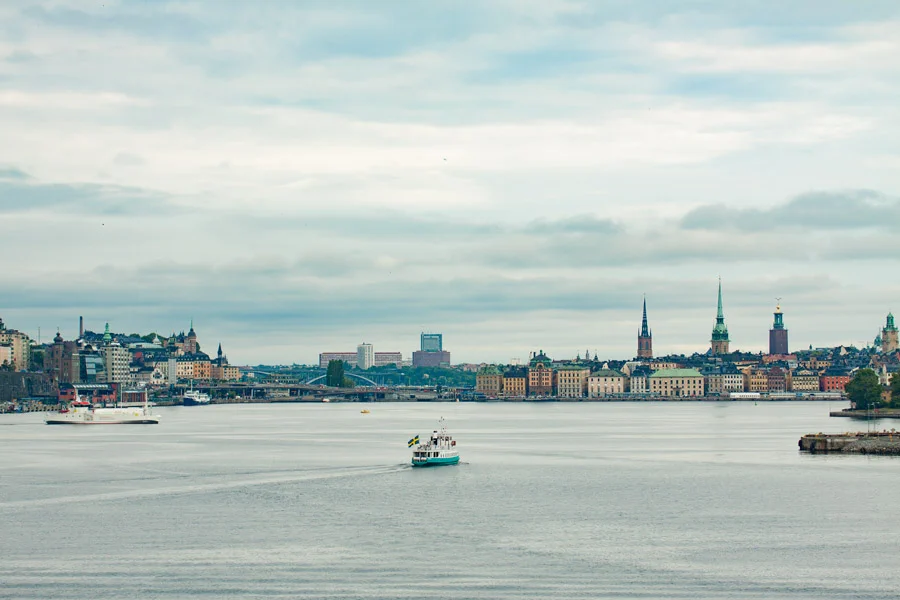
(514, 175)
(554, 350)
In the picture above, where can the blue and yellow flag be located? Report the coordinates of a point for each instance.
(413, 442)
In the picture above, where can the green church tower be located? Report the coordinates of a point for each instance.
(719, 341)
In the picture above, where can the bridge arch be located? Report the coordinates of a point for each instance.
(354, 375)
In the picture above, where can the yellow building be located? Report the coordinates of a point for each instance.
(805, 381)
(756, 380)
(224, 373)
(571, 381)
(193, 367)
(489, 381)
(515, 383)
(676, 383)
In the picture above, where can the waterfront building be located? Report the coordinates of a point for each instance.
(778, 380)
(804, 380)
(605, 382)
(541, 378)
(778, 335)
(639, 380)
(193, 366)
(365, 356)
(431, 342)
(889, 341)
(732, 379)
(834, 379)
(489, 381)
(756, 380)
(219, 370)
(645, 336)
(676, 383)
(719, 340)
(572, 381)
(19, 347)
(515, 382)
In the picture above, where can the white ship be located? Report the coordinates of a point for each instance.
(440, 449)
(81, 412)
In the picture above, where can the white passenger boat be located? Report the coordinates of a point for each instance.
(81, 412)
(440, 449)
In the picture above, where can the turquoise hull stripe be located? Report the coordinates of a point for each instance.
(436, 462)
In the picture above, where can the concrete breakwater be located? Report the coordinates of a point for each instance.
(877, 442)
(878, 413)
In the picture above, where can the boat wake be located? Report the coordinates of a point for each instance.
(170, 490)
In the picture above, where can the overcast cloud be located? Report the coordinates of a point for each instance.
(301, 177)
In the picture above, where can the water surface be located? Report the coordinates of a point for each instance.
(551, 500)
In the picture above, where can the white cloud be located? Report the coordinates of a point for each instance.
(538, 155)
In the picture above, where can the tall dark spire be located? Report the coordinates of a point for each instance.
(645, 330)
(645, 337)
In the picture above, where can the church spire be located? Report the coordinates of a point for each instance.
(645, 330)
(720, 314)
(719, 341)
(645, 337)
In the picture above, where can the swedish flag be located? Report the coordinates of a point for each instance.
(413, 442)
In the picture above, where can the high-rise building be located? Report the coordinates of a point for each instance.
(778, 335)
(117, 361)
(365, 356)
(431, 342)
(889, 341)
(645, 337)
(719, 341)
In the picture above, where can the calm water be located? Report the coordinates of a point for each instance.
(692, 500)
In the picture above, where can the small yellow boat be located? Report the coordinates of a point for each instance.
(365, 411)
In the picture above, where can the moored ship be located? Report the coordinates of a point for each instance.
(82, 412)
(440, 449)
(195, 398)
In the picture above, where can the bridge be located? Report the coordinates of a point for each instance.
(353, 375)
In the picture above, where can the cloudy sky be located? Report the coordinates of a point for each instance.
(305, 176)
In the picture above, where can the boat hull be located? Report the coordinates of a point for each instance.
(130, 422)
(190, 402)
(437, 462)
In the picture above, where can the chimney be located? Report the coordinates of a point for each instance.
(80, 327)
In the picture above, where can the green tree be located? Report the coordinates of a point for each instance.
(895, 390)
(7, 366)
(864, 390)
(334, 376)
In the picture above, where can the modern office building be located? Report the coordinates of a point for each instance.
(431, 342)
